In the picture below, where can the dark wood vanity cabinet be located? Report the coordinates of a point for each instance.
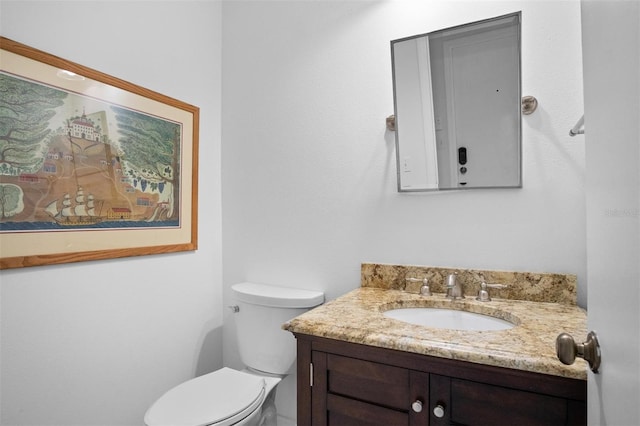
(344, 384)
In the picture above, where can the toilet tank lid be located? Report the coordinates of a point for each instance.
(276, 296)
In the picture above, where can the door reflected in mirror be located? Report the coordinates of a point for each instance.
(457, 107)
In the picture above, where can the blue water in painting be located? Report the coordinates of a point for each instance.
(52, 226)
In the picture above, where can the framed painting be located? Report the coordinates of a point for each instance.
(91, 166)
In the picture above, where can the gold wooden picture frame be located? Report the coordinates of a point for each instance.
(91, 167)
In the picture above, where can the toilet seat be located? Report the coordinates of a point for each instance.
(223, 398)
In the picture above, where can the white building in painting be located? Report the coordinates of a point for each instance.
(83, 128)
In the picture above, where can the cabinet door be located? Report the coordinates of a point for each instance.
(473, 403)
(318, 389)
(439, 400)
(353, 391)
(419, 397)
(343, 411)
(380, 384)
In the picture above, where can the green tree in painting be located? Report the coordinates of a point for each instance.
(11, 200)
(25, 111)
(151, 151)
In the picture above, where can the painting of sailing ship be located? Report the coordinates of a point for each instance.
(74, 211)
(69, 161)
(91, 166)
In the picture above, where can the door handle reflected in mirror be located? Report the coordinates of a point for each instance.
(462, 155)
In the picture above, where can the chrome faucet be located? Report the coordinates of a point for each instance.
(454, 288)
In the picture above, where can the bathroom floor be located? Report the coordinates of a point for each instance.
(285, 421)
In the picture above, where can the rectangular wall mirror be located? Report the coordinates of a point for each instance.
(457, 100)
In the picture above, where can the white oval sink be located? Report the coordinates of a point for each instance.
(449, 319)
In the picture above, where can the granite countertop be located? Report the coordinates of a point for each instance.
(357, 317)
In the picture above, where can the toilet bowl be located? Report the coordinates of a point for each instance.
(247, 397)
(224, 397)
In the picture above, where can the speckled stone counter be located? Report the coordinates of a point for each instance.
(532, 286)
(357, 317)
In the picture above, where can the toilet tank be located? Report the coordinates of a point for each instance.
(262, 342)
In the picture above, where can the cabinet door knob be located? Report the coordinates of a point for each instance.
(417, 406)
(438, 411)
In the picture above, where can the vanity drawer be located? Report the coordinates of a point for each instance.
(380, 384)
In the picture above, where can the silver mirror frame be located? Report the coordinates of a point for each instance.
(518, 22)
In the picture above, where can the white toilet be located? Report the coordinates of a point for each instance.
(232, 397)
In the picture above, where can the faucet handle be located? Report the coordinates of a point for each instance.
(424, 289)
(483, 293)
(495, 285)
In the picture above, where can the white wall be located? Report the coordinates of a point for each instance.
(309, 188)
(96, 342)
(309, 179)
